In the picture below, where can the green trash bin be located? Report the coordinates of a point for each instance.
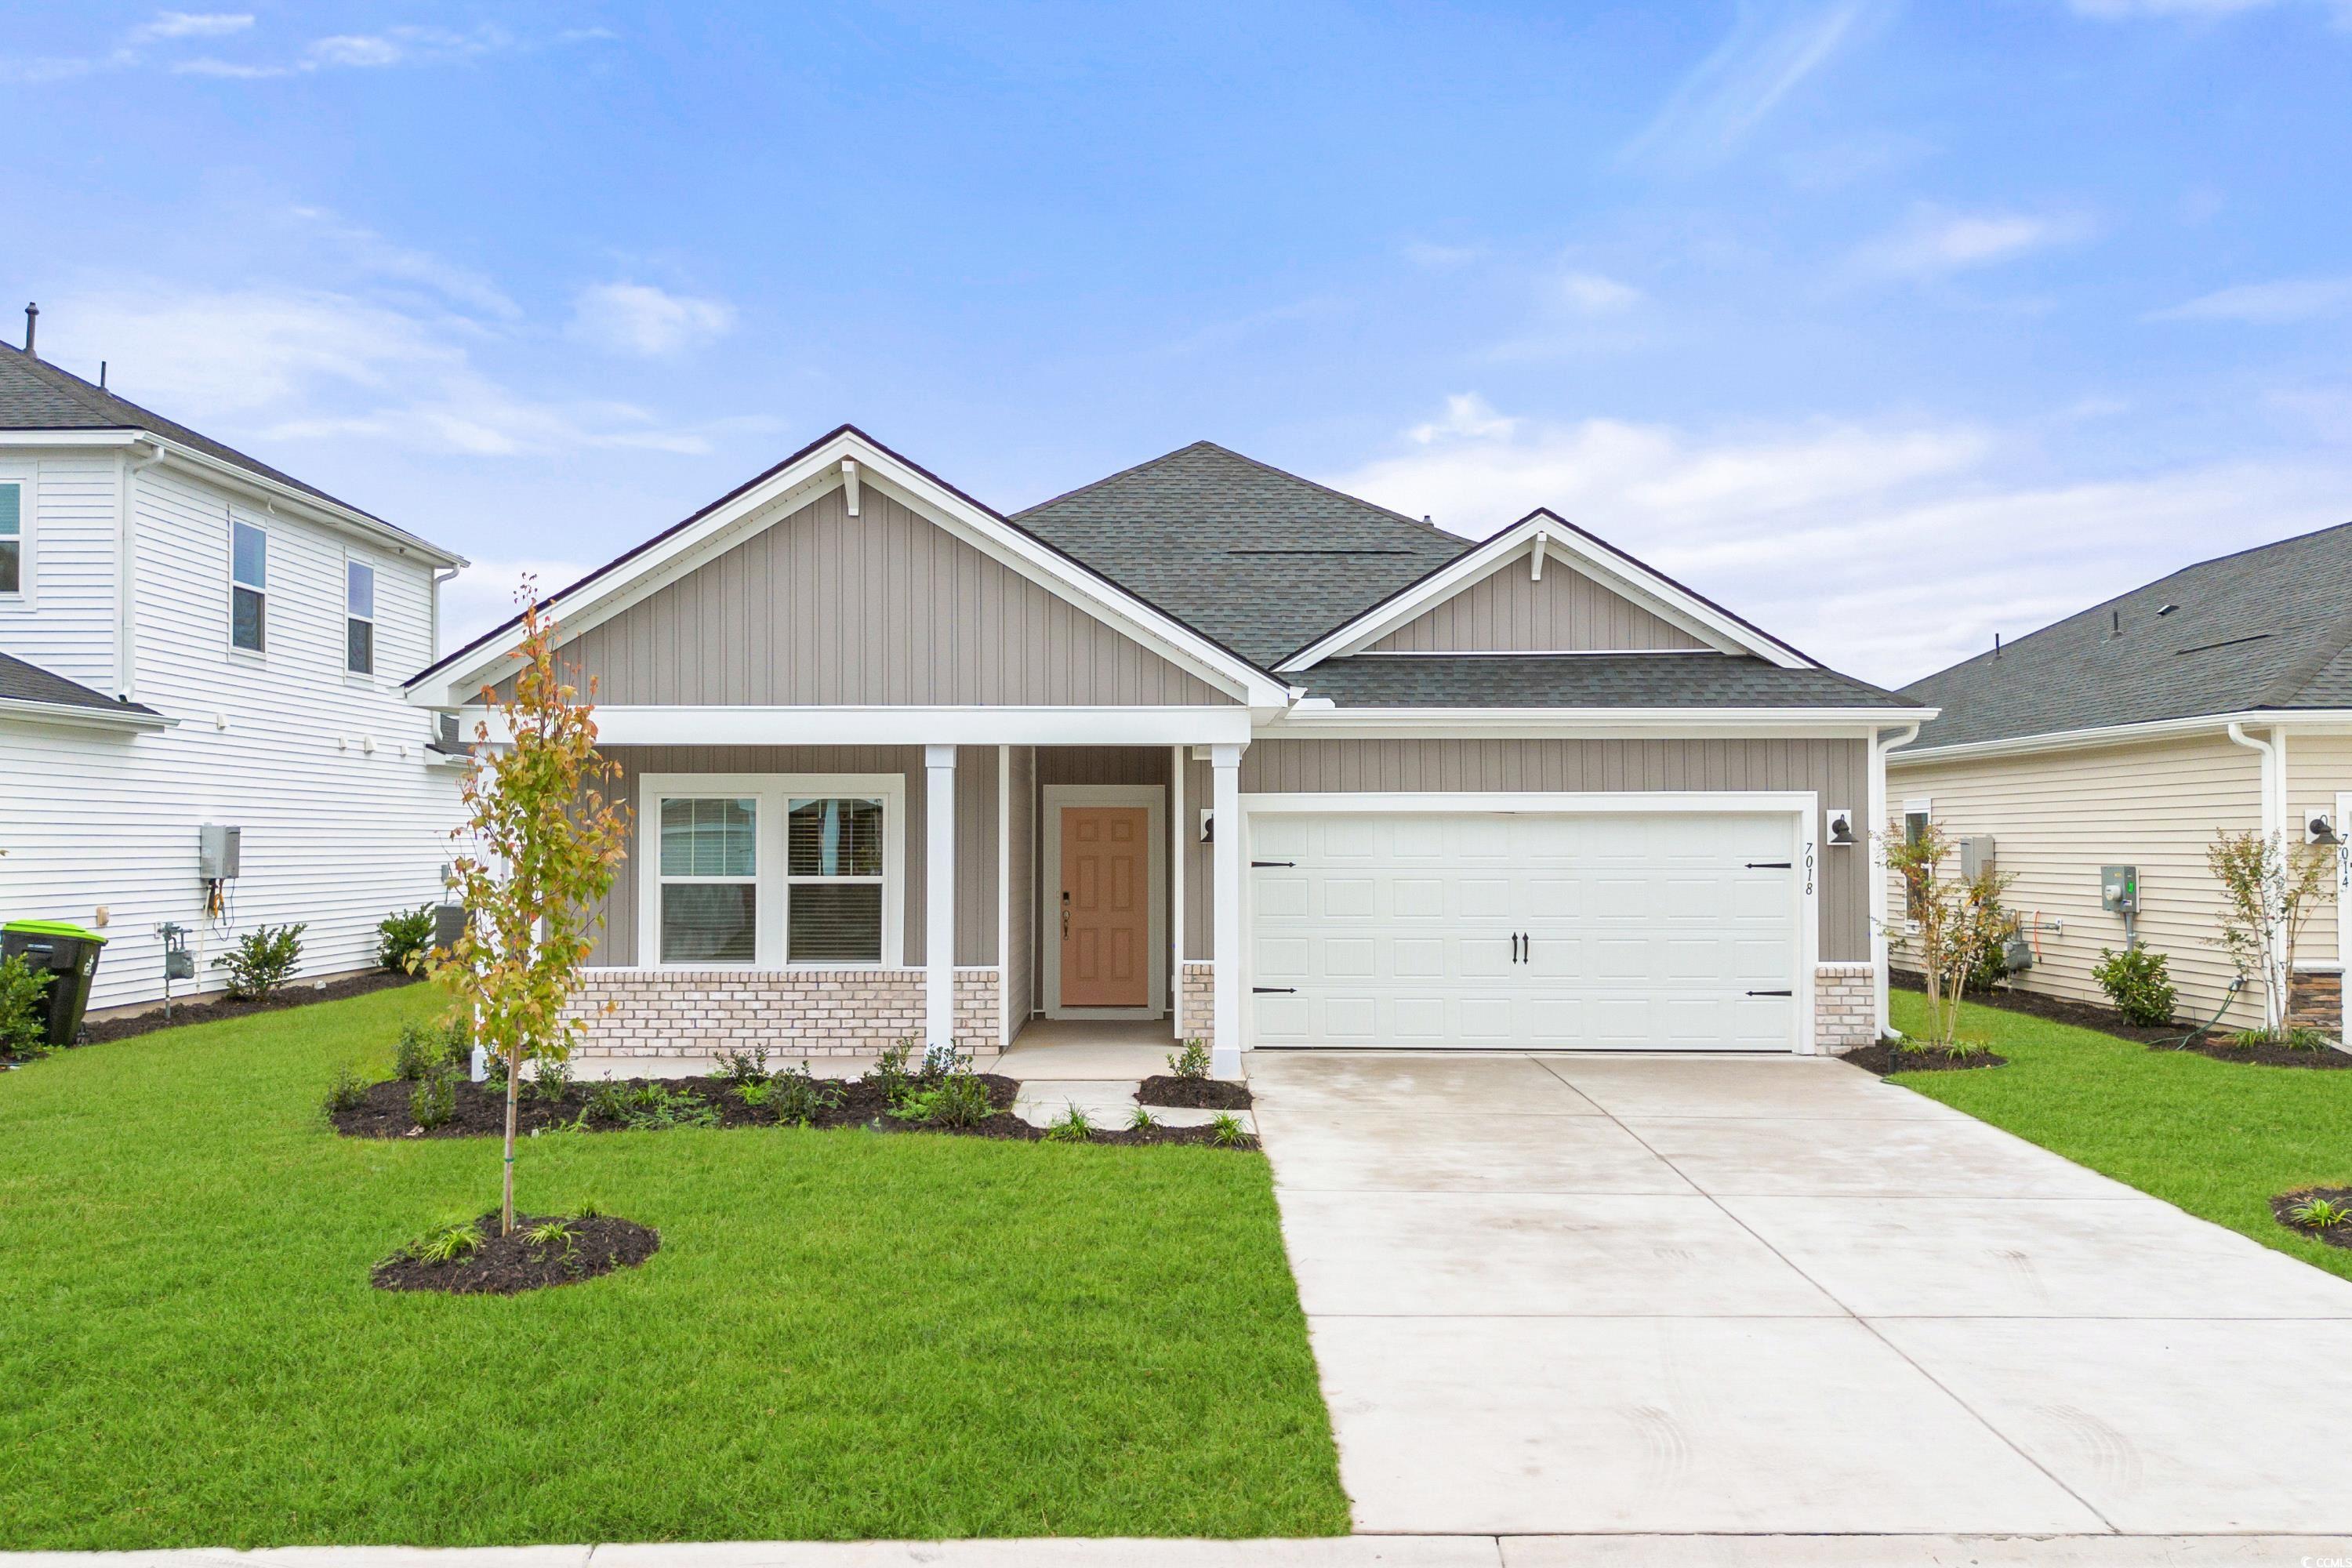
(69, 954)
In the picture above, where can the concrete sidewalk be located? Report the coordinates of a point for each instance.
(1349, 1552)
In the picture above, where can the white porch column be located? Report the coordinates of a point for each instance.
(1176, 843)
(938, 897)
(1226, 800)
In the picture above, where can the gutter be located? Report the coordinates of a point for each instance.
(75, 713)
(2273, 787)
(2338, 719)
(1882, 957)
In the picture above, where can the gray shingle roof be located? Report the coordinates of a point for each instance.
(38, 396)
(2269, 628)
(1583, 680)
(22, 682)
(1262, 561)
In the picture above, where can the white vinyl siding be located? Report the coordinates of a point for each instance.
(345, 818)
(2056, 817)
(65, 615)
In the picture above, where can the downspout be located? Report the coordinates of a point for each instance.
(126, 576)
(1875, 848)
(439, 578)
(2273, 785)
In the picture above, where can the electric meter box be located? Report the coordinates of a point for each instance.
(217, 852)
(2119, 890)
(1976, 856)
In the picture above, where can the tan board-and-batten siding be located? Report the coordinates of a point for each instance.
(885, 608)
(1510, 611)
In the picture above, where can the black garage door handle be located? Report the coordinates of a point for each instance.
(1771, 994)
(1274, 990)
(1770, 866)
(1274, 863)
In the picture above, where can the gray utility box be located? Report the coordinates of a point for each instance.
(218, 851)
(1976, 856)
(2119, 890)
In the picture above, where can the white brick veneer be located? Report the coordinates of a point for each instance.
(1845, 1006)
(798, 1012)
(1200, 1003)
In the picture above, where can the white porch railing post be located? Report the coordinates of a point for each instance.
(1225, 802)
(938, 897)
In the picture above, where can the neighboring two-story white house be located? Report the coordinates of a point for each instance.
(190, 637)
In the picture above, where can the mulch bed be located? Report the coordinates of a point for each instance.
(2060, 1010)
(1193, 1093)
(2221, 1049)
(2334, 1235)
(510, 1265)
(480, 1112)
(299, 993)
(1883, 1058)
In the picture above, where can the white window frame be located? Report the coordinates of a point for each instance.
(773, 794)
(373, 622)
(21, 596)
(235, 648)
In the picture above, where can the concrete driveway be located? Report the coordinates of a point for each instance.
(1568, 1294)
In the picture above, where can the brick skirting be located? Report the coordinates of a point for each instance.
(1199, 998)
(794, 1012)
(1845, 1006)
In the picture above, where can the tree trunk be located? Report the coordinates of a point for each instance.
(506, 1196)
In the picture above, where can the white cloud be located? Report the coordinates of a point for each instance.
(1591, 294)
(191, 24)
(638, 318)
(380, 258)
(1935, 243)
(2288, 299)
(289, 365)
(1441, 258)
(1887, 551)
(1769, 54)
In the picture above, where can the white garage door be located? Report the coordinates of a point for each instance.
(1483, 930)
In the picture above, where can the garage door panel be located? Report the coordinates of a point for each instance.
(1642, 931)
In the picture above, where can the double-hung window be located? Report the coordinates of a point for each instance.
(773, 870)
(248, 585)
(359, 618)
(12, 537)
(1916, 818)
(709, 870)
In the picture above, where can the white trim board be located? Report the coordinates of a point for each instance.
(818, 471)
(1052, 798)
(2324, 721)
(914, 726)
(1547, 532)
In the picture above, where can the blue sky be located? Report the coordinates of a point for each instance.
(1891, 325)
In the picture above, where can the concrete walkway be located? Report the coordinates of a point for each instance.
(1565, 1295)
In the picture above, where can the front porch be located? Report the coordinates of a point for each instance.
(1050, 907)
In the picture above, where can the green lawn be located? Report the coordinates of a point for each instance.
(844, 1334)
(2214, 1138)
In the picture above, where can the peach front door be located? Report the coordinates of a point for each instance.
(1105, 906)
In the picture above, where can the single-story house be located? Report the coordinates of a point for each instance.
(2124, 737)
(1205, 744)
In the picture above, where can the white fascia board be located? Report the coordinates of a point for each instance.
(913, 726)
(1628, 802)
(313, 509)
(2317, 719)
(1586, 723)
(1542, 530)
(818, 471)
(89, 718)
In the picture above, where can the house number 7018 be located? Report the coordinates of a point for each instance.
(1809, 869)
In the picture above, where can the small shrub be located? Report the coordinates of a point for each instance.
(446, 1244)
(2320, 1214)
(958, 1099)
(891, 1074)
(1070, 1127)
(1191, 1062)
(434, 1101)
(404, 938)
(550, 1079)
(608, 1102)
(456, 1035)
(418, 1053)
(263, 960)
(550, 1233)
(1226, 1131)
(743, 1067)
(2136, 981)
(2295, 1037)
(348, 1092)
(800, 1096)
(24, 1023)
(650, 1108)
(1141, 1120)
(756, 1094)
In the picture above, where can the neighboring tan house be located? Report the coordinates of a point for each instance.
(190, 638)
(2129, 735)
(1204, 744)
